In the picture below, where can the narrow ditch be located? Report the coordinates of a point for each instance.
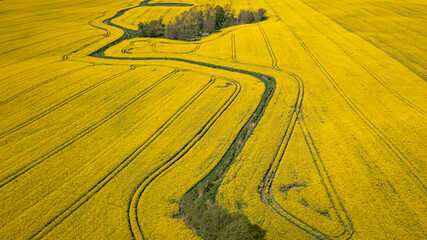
(203, 194)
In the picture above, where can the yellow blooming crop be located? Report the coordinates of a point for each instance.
(102, 136)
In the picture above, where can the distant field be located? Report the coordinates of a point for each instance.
(322, 108)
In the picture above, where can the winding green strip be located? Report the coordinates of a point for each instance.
(212, 181)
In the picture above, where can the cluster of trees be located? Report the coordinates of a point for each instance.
(199, 21)
(216, 223)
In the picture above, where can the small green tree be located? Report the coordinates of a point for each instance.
(209, 25)
(171, 31)
(260, 15)
(199, 20)
(216, 223)
(219, 17)
(154, 28)
(245, 17)
(229, 19)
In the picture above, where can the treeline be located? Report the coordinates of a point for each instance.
(198, 22)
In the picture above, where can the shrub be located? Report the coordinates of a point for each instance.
(216, 223)
(154, 28)
(260, 15)
(245, 17)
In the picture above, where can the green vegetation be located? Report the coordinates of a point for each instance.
(199, 205)
(212, 221)
(198, 22)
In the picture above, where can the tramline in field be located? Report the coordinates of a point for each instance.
(308, 125)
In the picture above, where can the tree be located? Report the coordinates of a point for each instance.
(260, 15)
(219, 17)
(229, 12)
(171, 31)
(229, 19)
(141, 29)
(209, 25)
(215, 222)
(154, 28)
(197, 21)
(245, 17)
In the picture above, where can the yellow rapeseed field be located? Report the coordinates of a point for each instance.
(322, 107)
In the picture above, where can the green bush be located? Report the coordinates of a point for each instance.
(216, 223)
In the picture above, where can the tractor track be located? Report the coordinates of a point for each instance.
(270, 49)
(129, 16)
(253, 120)
(198, 44)
(48, 51)
(41, 22)
(84, 132)
(409, 168)
(142, 14)
(233, 48)
(61, 103)
(133, 218)
(39, 33)
(415, 71)
(4, 79)
(44, 40)
(122, 165)
(266, 193)
(42, 83)
(364, 66)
